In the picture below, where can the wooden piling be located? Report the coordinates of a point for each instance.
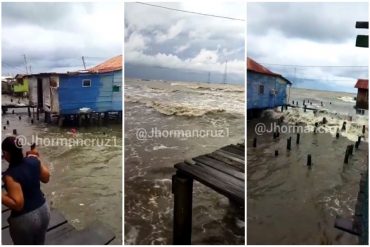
(29, 111)
(15, 132)
(12, 111)
(276, 152)
(346, 156)
(4, 127)
(255, 142)
(309, 161)
(344, 125)
(289, 143)
(298, 137)
(7, 122)
(19, 117)
(350, 148)
(357, 144)
(32, 121)
(337, 135)
(182, 188)
(305, 108)
(363, 129)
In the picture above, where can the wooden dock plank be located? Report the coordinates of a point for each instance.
(237, 165)
(231, 156)
(221, 182)
(94, 234)
(235, 150)
(218, 165)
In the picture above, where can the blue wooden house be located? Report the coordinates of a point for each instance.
(265, 89)
(98, 89)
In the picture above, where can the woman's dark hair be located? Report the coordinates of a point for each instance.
(13, 146)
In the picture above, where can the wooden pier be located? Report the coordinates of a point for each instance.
(222, 171)
(60, 232)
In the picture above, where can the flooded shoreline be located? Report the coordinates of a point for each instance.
(86, 181)
(296, 202)
(149, 162)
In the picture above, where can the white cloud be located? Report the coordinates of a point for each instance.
(186, 41)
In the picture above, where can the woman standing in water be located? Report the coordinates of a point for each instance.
(30, 215)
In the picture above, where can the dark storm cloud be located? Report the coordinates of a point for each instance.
(54, 36)
(324, 22)
(157, 37)
(309, 34)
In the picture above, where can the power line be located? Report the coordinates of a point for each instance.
(191, 12)
(314, 66)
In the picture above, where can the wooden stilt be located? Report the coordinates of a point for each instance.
(182, 188)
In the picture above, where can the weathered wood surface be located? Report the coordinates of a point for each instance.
(222, 170)
(60, 232)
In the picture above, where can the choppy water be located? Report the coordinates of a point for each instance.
(288, 203)
(86, 182)
(149, 163)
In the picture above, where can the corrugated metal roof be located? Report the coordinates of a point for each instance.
(258, 68)
(110, 65)
(362, 84)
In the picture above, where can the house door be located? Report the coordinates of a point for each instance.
(40, 96)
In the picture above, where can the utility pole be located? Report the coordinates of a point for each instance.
(25, 63)
(83, 61)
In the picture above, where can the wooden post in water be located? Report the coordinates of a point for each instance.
(298, 137)
(31, 120)
(15, 132)
(305, 108)
(29, 111)
(7, 122)
(363, 129)
(276, 153)
(350, 148)
(309, 162)
(255, 142)
(346, 156)
(4, 127)
(182, 188)
(289, 143)
(38, 114)
(344, 125)
(19, 117)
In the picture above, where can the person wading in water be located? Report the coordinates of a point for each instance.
(30, 214)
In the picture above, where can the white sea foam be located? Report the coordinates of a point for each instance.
(347, 99)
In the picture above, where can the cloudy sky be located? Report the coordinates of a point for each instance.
(165, 44)
(54, 36)
(312, 34)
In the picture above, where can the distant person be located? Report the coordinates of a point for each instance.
(30, 214)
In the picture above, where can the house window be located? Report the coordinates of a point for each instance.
(261, 89)
(86, 83)
(115, 88)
